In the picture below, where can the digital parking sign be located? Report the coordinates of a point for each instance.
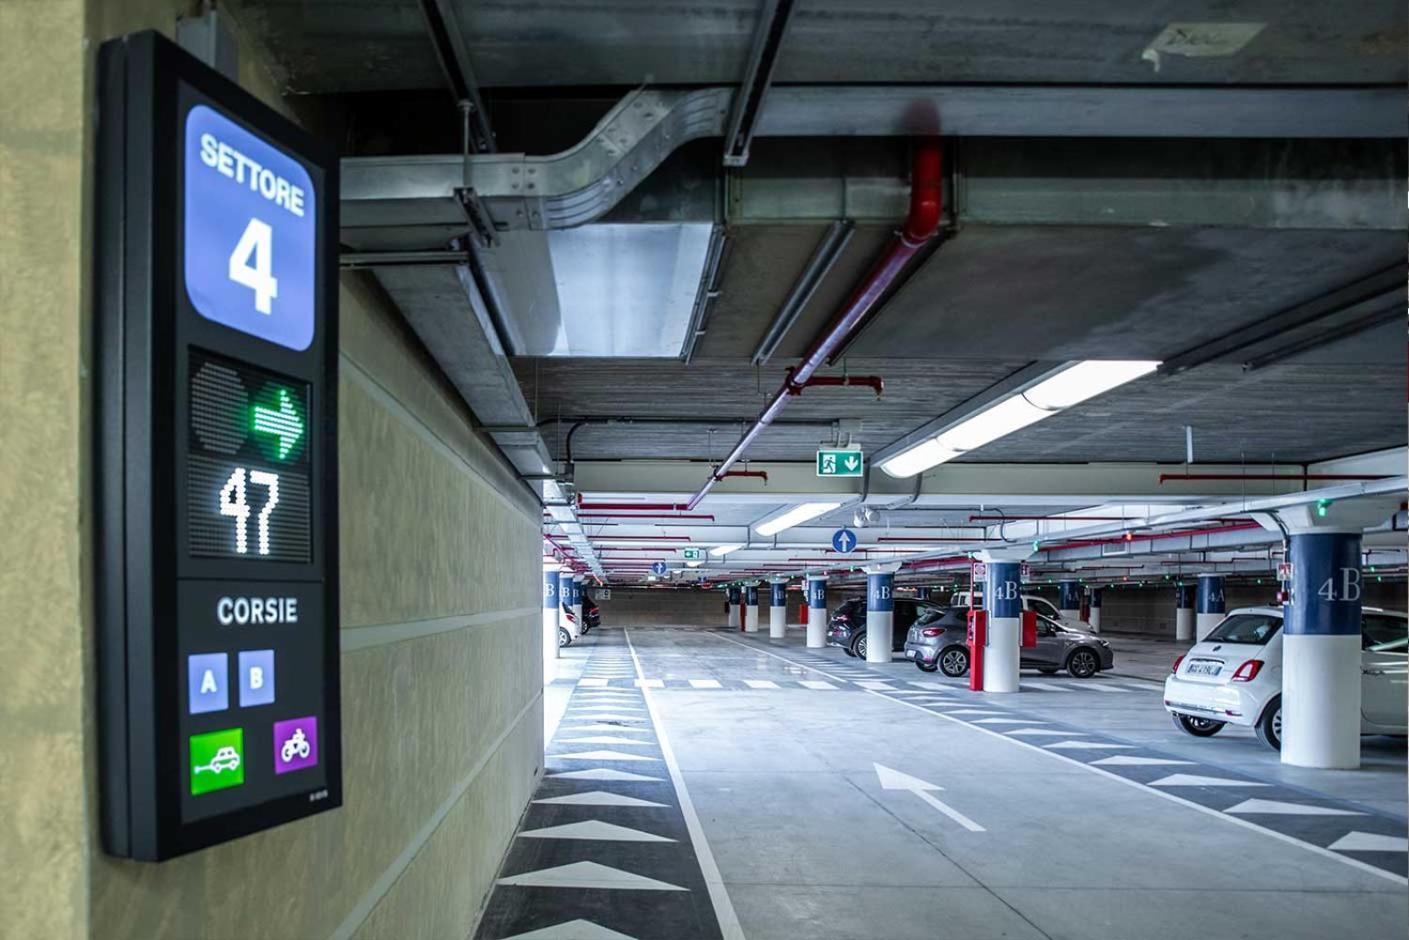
(217, 460)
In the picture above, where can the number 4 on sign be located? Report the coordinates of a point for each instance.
(256, 242)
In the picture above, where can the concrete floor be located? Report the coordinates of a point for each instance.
(1023, 834)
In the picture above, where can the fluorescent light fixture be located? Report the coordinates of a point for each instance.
(693, 564)
(795, 516)
(1071, 386)
(719, 551)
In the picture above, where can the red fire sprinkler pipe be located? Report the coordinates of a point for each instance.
(926, 205)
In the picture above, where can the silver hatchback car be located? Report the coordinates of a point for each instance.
(939, 640)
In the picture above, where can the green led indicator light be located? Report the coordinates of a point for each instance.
(277, 422)
(1321, 506)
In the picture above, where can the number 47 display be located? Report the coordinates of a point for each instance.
(233, 503)
(256, 242)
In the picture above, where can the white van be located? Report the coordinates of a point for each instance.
(1030, 602)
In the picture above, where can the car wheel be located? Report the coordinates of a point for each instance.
(564, 638)
(858, 647)
(926, 667)
(1269, 726)
(954, 661)
(1198, 727)
(1047, 670)
(1083, 663)
(848, 651)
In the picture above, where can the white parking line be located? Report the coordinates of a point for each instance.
(760, 683)
(705, 684)
(709, 868)
(815, 684)
(1046, 687)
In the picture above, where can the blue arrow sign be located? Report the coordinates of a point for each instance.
(659, 568)
(844, 540)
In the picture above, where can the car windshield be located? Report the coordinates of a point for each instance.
(1043, 608)
(851, 607)
(1251, 629)
(929, 615)
(1381, 633)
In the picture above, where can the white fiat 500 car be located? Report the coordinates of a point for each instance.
(1235, 676)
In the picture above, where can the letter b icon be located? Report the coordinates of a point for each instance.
(256, 677)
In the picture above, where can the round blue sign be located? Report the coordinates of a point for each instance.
(659, 568)
(844, 541)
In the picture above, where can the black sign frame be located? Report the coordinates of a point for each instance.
(145, 327)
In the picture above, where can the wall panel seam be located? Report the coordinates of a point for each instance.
(364, 907)
(384, 396)
(382, 634)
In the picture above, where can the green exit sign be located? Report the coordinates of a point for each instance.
(693, 554)
(840, 463)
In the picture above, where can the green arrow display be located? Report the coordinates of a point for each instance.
(840, 463)
(285, 424)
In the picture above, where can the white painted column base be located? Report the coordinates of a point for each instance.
(817, 627)
(550, 644)
(878, 635)
(1184, 624)
(1321, 701)
(1204, 624)
(1001, 656)
(751, 618)
(736, 614)
(1094, 624)
(777, 622)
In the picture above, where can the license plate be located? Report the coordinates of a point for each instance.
(1203, 667)
(910, 654)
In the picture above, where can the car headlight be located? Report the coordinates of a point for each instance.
(1104, 643)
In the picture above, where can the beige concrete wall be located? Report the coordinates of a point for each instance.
(669, 607)
(441, 667)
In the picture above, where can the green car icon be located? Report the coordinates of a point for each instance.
(217, 760)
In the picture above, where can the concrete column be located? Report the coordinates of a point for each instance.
(778, 609)
(736, 610)
(751, 607)
(1002, 598)
(1093, 596)
(922, 593)
(1184, 613)
(1321, 652)
(574, 600)
(1210, 605)
(551, 600)
(1070, 600)
(816, 611)
(880, 615)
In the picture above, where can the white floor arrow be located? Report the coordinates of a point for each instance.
(598, 798)
(573, 930)
(1125, 760)
(1279, 808)
(604, 773)
(1194, 780)
(1370, 842)
(588, 875)
(593, 830)
(895, 780)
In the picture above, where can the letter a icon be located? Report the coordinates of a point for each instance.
(208, 683)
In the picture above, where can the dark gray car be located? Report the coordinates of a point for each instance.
(940, 641)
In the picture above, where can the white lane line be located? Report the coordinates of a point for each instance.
(815, 684)
(1098, 686)
(1044, 686)
(760, 683)
(588, 682)
(718, 894)
(1135, 784)
(876, 684)
(705, 684)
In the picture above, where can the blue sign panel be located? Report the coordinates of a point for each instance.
(880, 592)
(251, 232)
(779, 594)
(1070, 592)
(1003, 592)
(1210, 596)
(733, 593)
(659, 568)
(574, 592)
(1326, 585)
(550, 590)
(817, 592)
(750, 595)
(844, 540)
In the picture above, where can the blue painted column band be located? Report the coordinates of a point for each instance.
(751, 595)
(880, 592)
(1094, 594)
(816, 593)
(733, 595)
(779, 594)
(1070, 594)
(1184, 597)
(574, 592)
(1002, 593)
(1326, 585)
(551, 588)
(1210, 599)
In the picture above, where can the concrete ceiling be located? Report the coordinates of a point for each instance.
(336, 46)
